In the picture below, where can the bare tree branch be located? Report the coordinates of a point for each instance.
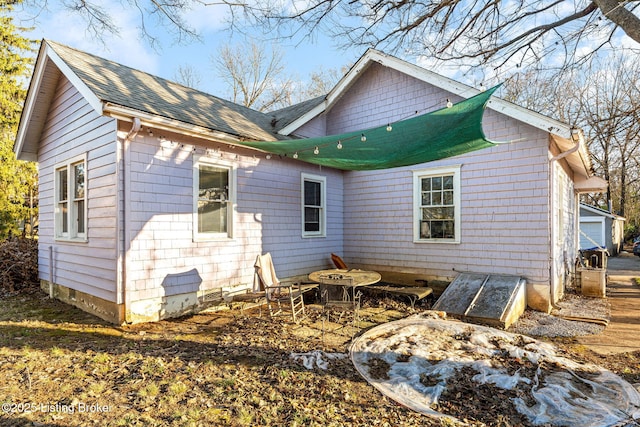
(254, 74)
(478, 32)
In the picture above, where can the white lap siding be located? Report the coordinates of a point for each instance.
(504, 194)
(73, 128)
(165, 260)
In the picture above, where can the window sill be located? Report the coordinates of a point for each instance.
(201, 239)
(71, 240)
(438, 241)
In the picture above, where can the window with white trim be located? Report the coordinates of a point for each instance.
(437, 205)
(214, 199)
(314, 209)
(71, 200)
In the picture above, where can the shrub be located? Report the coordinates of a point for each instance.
(18, 264)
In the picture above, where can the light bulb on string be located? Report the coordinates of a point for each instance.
(449, 103)
(339, 146)
(363, 138)
(316, 150)
(295, 155)
(389, 127)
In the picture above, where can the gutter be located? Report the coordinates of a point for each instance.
(163, 123)
(576, 136)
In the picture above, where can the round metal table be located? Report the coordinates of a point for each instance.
(341, 285)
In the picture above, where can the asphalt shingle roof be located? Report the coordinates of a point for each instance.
(121, 85)
(285, 116)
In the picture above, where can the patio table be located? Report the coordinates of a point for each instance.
(338, 285)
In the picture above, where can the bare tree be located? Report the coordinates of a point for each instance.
(153, 16)
(492, 32)
(187, 75)
(605, 102)
(322, 81)
(552, 94)
(319, 83)
(611, 102)
(255, 75)
(521, 32)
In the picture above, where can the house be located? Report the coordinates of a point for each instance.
(600, 228)
(151, 207)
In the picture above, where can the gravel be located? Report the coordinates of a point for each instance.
(536, 323)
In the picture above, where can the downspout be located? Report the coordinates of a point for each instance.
(123, 232)
(576, 137)
(51, 272)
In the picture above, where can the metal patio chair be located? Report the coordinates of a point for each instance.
(280, 296)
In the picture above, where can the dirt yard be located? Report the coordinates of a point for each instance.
(60, 367)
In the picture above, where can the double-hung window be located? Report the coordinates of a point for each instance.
(314, 209)
(214, 199)
(437, 205)
(71, 200)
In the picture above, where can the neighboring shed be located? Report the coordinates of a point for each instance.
(600, 228)
(150, 207)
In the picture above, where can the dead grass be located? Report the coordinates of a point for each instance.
(207, 369)
(60, 366)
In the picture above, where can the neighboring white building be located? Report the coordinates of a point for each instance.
(599, 228)
(150, 207)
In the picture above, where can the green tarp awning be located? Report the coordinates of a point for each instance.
(437, 135)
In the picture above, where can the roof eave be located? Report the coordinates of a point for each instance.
(574, 150)
(460, 89)
(601, 212)
(27, 109)
(34, 94)
(163, 123)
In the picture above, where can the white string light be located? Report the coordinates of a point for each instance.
(339, 143)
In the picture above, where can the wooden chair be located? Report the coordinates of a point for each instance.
(338, 262)
(279, 295)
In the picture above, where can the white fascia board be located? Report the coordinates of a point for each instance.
(600, 212)
(462, 90)
(84, 90)
(48, 54)
(163, 123)
(596, 211)
(300, 121)
(27, 110)
(529, 117)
